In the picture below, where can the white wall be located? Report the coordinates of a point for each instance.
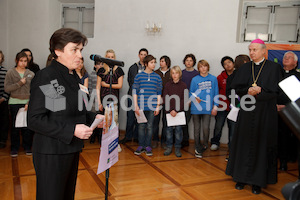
(28, 28)
(205, 28)
(3, 27)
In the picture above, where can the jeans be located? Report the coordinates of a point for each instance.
(197, 119)
(220, 121)
(15, 132)
(178, 136)
(131, 125)
(156, 126)
(145, 130)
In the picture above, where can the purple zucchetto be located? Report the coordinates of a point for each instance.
(259, 41)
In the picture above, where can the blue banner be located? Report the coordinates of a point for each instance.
(277, 56)
(113, 145)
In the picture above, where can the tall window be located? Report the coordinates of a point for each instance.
(79, 17)
(272, 22)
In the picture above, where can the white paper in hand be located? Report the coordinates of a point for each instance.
(21, 119)
(291, 86)
(96, 122)
(232, 115)
(141, 118)
(198, 97)
(179, 119)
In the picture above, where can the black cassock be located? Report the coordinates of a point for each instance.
(253, 151)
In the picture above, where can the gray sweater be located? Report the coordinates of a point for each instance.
(15, 87)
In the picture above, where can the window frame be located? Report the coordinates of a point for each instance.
(80, 17)
(265, 4)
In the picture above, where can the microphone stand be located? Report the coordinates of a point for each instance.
(111, 67)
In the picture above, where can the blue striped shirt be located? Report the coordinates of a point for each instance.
(147, 87)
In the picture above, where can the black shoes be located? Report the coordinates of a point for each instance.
(256, 189)
(239, 186)
(283, 166)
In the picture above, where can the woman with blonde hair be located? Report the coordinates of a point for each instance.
(103, 83)
(103, 80)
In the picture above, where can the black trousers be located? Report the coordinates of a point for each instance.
(55, 175)
(287, 142)
(185, 128)
(15, 132)
(4, 119)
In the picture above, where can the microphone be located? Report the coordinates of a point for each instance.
(108, 61)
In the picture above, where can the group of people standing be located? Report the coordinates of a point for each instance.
(166, 81)
(252, 139)
(253, 136)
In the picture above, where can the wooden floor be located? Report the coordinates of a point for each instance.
(141, 177)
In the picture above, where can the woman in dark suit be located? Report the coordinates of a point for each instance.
(59, 125)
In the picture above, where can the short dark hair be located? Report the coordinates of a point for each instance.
(63, 36)
(190, 55)
(31, 61)
(147, 59)
(167, 59)
(26, 49)
(143, 49)
(20, 55)
(226, 58)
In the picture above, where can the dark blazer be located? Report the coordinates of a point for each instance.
(54, 131)
(132, 72)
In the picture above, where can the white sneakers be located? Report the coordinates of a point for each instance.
(198, 154)
(119, 148)
(214, 147)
